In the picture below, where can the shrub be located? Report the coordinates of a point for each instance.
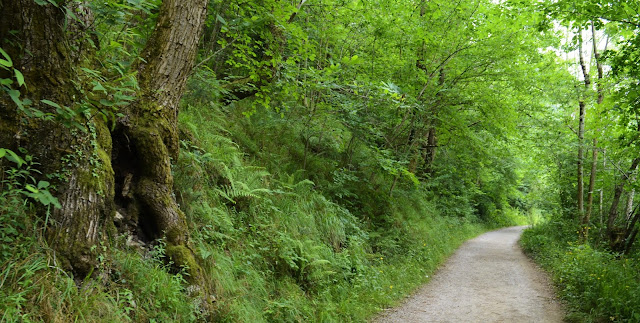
(597, 285)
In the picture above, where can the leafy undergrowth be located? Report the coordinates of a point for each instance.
(276, 243)
(278, 249)
(597, 285)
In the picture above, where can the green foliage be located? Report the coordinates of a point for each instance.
(597, 285)
(18, 192)
(7, 86)
(34, 289)
(292, 254)
(332, 156)
(149, 291)
(129, 288)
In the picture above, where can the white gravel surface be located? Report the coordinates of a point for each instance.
(488, 279)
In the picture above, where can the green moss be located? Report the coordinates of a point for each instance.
(103, 136)
(183, 257)
(176, 233)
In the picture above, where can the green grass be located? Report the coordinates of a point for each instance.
(277, 249)
(277, 243)
(129, 287)
(596, 285)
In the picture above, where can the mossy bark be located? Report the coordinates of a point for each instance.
(151, 123)
(99, 171)
(80, 161)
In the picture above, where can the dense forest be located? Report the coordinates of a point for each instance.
(307, 160)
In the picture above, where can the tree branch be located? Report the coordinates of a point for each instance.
(293, 15)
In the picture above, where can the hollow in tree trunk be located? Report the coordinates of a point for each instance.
(128, 170)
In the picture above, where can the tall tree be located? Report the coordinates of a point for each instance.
(150, 123)
(594, 160)
(35, 37)
(50, 48)
(582, 115)
(616, 235)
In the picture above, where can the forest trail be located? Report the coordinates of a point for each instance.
(488, 279)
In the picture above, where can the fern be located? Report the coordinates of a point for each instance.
(249, 187)
(241, 190)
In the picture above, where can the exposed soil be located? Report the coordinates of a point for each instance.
(488, 279)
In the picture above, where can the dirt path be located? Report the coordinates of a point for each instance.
(488, 279)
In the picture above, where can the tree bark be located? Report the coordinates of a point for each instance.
(430, 148)
(613, 211)
(150, 127)
(580, 193)
(587, 84)
(596, 55)
(592, 183)
(601, 205)
(41, 49)
(48, 55)
(594, 162)
(432, 144)
(631, 233)
(629, 209)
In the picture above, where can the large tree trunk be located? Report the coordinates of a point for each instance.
(148, 134)
(88, 186)
(151, 122)
(41, 49)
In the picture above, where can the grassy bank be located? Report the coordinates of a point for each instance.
(284, 229)
(597, 285)
(299, 238)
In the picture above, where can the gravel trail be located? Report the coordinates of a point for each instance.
(488, 279)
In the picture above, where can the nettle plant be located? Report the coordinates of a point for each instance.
(18, 185)
(18, 191)
(19, 179)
